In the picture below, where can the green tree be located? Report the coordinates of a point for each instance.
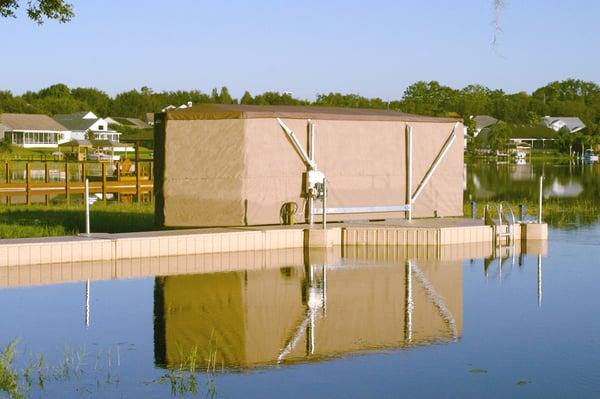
(565, 139)
(472, 100)
(498, 136)
(96, 100)
(39, 10)
(247, 98)
(429, 98)
(225, 97)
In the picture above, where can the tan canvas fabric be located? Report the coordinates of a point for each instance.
(203, 173)
(232, 172)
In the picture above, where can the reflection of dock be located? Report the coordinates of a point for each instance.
(307, 312)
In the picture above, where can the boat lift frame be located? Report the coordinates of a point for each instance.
(308, 158)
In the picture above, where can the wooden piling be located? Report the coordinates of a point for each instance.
(104, 182)
(28, 183)
(67, 190)
(46, 180)
(137, 171)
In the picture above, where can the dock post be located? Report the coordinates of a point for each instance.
(541, 197)
(474, 209)
(7, 179)
(104, 182)
(46, 180)
(67, 191)
(28, 182)
(137, 171)
(86, 199)
(409, 154)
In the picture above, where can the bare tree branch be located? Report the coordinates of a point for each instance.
(498, 8)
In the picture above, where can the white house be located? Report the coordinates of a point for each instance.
(32, 130)
(80, 123)
(556, 123)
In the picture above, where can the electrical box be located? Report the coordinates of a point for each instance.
(313, 183)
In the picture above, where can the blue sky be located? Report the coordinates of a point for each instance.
(374, 48)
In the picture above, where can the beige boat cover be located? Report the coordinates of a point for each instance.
(219, 165)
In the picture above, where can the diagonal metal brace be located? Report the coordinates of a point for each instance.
(297, 146)
(436, 162)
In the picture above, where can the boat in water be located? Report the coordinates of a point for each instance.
(589, 156)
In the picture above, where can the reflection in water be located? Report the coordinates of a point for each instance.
(256, 309)
(87, 303)
(487, 181)
(301, 313)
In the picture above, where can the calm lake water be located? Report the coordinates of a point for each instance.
(357, 323)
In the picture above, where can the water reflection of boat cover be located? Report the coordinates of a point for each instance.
(303, 313)
(557, 189)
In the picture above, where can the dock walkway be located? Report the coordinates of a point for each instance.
(105, 247)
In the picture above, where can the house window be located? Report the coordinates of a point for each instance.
(100, 127)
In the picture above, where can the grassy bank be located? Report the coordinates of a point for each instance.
(61, 220)
(42, 221)
(557, 212)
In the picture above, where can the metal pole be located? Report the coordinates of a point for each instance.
(522, 212)
(324, 204)
(541, 196)
(311, 156)
(409, 153)
(474, 209)
(87, 207)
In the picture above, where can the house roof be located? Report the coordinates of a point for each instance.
(75, 121)
(30, 122)
(483, 121)
(574, 124)
(242, 111)
(131, 122)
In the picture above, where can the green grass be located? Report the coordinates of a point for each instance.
(40, 221)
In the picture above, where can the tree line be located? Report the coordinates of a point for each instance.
(560, 98)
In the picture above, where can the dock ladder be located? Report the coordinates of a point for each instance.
(502, 217)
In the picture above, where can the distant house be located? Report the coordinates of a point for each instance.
(80, 123)
(133, 123)
(523, 137)
(32, 130)
(483, 122)
(150, 118)
(573, 124)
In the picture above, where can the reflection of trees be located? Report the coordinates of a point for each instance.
(492, 182)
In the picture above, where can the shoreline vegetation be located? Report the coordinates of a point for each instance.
(22, 221)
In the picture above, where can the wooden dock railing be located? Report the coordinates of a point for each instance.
(133, 180)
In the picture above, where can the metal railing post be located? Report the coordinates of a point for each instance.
(474, 209)
(409, 153)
